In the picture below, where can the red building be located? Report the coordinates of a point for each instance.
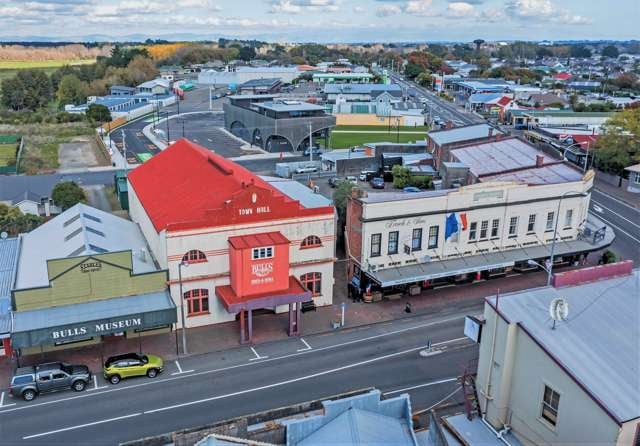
(233, 242)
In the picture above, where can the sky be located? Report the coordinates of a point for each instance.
(323, 21)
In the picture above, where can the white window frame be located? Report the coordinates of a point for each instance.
(484, 229)
(513, 226)
(495, 228)
(263, 252)
(550, 218)
(473, 231)
(544, 404)
(568, 218)
(531, 224)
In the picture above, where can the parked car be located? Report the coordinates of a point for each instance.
(411, 189)
(316, 151)
(352, 179)
(366, 175)
(306, 169)
(29, 382)
(377, 183)
(130, 365)
(333, 181)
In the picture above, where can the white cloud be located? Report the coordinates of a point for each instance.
(543, 10)
(460, 10)
(299, 6)
(388, 10)
(420, 8)
(358, 9)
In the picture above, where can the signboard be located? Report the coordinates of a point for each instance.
(472, 328)
(262, 273)
(91, 267)
(96, 328)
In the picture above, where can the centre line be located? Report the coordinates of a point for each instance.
(80, 426)
(419, 386)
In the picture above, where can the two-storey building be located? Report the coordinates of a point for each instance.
(233, 242)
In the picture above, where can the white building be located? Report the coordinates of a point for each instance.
(576, 383)
(244, 242)
(240, 75)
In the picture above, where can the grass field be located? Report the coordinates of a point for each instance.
(7, 154)
(23, 64)
(380, 128)
(340, 140)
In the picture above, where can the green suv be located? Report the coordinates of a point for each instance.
(132, 364)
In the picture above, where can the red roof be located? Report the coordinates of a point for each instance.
(504, 100)
(253, 240)
(233, 303)
(187, 186)
(562, 76)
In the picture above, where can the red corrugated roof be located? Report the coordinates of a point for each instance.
(254, 240)
(504, 100)
(187, 186)
(296, 292)
(562, 76)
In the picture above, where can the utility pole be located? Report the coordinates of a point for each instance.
(310, 144)
(168, 136)
(124, 150)
(210, 99)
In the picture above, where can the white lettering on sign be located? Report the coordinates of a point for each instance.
(256, 210)
(262, 269)
(97, 329)
(261, 280)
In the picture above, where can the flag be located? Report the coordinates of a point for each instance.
(451, 226)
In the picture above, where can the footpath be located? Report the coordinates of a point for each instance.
(273, 327)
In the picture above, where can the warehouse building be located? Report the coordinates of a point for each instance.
(233, 242)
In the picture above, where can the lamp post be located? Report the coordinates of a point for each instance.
(586, 158)
(555, 233)
(182, 319)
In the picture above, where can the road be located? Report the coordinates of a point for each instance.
(439, 107)
(625, 221)
(245, 380)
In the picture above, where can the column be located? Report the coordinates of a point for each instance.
(243, 339)
(299, 318)
(250, 324)
(290, 333)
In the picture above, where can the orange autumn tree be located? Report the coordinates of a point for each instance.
(163, 51)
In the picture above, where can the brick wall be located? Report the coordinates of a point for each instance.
(592, 274)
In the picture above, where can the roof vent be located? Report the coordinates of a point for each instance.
(143, 254)
(539, 160)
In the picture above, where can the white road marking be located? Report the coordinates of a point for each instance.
(257, 355)
(95, 384)
(246, 364)
(180, 371)
(80, 426)
(616, 214)
(419, 386)
(618, 200)
(619, 229)
(293, 380)
(307, 346)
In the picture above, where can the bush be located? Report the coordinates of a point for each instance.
(608, 257)
(68, 194)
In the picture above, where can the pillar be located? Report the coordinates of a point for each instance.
(243, 337)
(250, 325)
(504, 395)
(299, 318)
(291, 324)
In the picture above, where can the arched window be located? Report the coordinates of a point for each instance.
(197, 301)
(194, 256)
(312, 282)
(313, 241)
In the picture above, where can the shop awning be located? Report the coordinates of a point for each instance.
(234, 303)
(418, 272)
(47, 326)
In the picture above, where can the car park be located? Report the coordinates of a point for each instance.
(29, 382)
(129, 365)
(377, 183)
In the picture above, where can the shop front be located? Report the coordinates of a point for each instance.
(260, 279)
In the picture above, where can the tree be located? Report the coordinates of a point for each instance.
(67, 194)
(141, 69)
(71, 90)
(579, 51)
(98, 113)
(610, 51)
(618, 145)
(340, 195)
(14, 222)
(246, 53)
(29, 89)
(424, 79)
(478, 43)
(401, 176)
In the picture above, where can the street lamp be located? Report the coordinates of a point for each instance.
(555, 233)
(184, 332)
(586, 158)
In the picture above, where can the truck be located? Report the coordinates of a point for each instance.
(29, 382)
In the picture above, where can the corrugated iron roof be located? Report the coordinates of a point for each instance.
(256, 240)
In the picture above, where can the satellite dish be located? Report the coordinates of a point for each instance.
(558, 310)
(3, 235)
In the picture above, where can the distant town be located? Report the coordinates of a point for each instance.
(243, 242)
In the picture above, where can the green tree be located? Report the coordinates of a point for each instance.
(340, 196)
(401, 177)
(246, 53)
(98, 113)
(610, 51)
(29, 89)
(424, 78)
(14, 222)
(579, 51)
(67, 194)
(71, 90)
(618, 145)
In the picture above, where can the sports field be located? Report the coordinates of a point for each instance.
(356, 135)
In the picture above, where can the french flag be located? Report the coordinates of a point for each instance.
(455, 223)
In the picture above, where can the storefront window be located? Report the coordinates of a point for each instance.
(313, 241)
(197, 301)
(194, 256)
(312, 282)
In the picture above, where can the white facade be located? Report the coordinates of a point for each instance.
(245, 74)
(169, 249)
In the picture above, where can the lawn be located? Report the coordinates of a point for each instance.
(380, 128)
(7, 154)
(23, 64)
(344, 140)
(41, 142)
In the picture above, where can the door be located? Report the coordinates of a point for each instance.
(59, 380)
(136, 367)
(44, 381)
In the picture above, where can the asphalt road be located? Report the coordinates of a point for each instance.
(439, 107)
(625, 221)
(244, 380)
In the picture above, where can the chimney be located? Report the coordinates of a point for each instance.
(539, 160)
(449, 125)
(490, 132)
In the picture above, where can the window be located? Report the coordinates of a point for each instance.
(550, 216)
(531, 227)
(59, 375)
(46, 377)
(636, 177)
(197, 301)
(262, 253)
(550, 403)
(312, 282)
(513, 226)
(484, 227)
(392, 246)
(194, 256)
(376, 240)
(416, 240)
(313, 241)
(568, 218)
(473, 230)
(495, 228)
(432, 243)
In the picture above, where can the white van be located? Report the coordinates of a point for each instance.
(306, 169)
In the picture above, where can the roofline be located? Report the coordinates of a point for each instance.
(558, 362)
